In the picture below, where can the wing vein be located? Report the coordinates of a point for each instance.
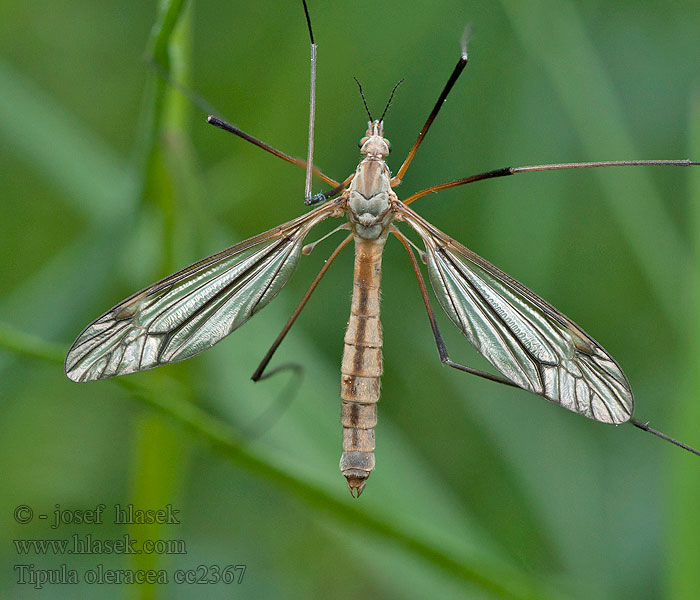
(520, 334)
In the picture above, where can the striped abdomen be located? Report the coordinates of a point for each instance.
(362, 365)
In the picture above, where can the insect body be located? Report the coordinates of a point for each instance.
(370, 209)
(528, 341)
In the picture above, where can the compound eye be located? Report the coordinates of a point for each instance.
(388, 143)
(362, 142)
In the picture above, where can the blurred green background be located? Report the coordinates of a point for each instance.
(110, 180)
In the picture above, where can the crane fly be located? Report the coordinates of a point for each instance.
(533, 345)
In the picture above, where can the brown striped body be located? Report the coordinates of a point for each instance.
(362, 365)
(369, 210)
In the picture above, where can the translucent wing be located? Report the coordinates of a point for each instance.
(529, 341)
(192, 309)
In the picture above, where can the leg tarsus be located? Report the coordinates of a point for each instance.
(267, 419)
(450, 363)
(644, 426)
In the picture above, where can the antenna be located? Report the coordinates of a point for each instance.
(391, 97)
(369, 114)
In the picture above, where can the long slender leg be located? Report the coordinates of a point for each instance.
(206, 107)
(663, 436)
(459, 67)
(504, 172)
(258, 375)
(442, 350)
(221, 124)
(312, 109)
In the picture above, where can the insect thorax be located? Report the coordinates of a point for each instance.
(369, 202)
